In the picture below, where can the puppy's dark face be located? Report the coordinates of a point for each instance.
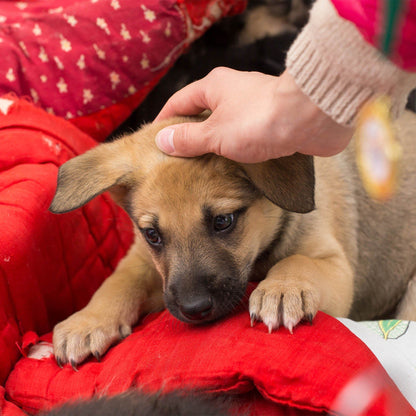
(205, 224)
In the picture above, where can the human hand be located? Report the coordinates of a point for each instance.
(254, 117)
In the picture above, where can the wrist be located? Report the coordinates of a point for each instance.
(339, 70)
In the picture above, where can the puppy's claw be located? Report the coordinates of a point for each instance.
(309, 318)
(74, 365)
(124, 330)
(97, 355)
(59, 362)
(270, 328)
(253, 319)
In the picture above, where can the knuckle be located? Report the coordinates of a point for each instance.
(219, 72)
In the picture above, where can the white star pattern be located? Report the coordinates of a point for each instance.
(132, 89)
(3, 19)
(168, 30)
(43, 78)
(62, 86)
(23, 48)
(35, 95)
(144, 62)
(149, 15)
(37, 31)
(10, 75)
(71, 20)
(21, 5)
(102, 24)
(100, 52)
(58, 62)
(115, 4)
(87, 96)
(65, 45)
(125, 34)
(145, 37)
(42, 55)
(115, 79)
(55, 11)
(81, 62)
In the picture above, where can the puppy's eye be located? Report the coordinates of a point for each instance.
(223, 222)
(152, 236)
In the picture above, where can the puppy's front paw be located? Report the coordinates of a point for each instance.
(85, 333)
(284, 303)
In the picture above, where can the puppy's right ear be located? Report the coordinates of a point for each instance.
(90, 174)
(289, 182)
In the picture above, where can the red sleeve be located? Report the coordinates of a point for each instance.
(368, 16)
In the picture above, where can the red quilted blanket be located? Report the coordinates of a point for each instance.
(43, 275)
(49, 265)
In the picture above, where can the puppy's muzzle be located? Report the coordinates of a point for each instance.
(201, 298)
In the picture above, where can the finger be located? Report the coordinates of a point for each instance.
(187, 140)
(189, 100)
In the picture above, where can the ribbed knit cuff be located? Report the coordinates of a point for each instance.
(333, 64)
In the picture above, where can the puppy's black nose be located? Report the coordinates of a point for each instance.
(197, 309)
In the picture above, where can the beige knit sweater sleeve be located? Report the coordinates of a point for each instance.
(333, 64)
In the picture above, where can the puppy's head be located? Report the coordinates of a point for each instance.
(206, 220)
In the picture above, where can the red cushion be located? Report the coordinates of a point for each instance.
(308, 370)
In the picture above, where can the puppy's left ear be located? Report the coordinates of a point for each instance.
(82, 178)
(288, 182)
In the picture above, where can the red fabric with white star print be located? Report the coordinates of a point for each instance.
(77, 58)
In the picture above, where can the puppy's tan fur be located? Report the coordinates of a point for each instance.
(316, 241)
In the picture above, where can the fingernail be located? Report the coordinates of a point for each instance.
(164, 140)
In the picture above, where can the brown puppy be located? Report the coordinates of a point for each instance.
(206, 226)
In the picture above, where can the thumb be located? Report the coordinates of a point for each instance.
(187, 140)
